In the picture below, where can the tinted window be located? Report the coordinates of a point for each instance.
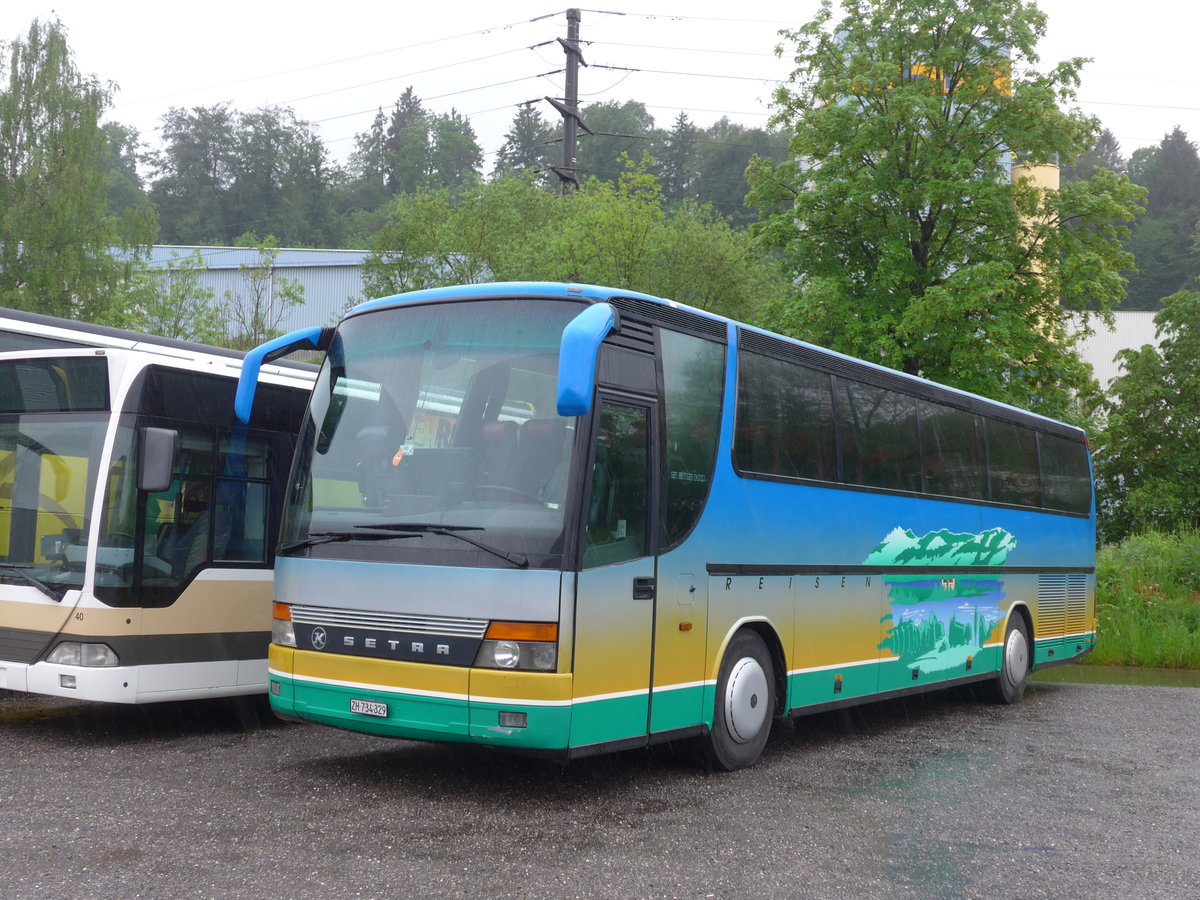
(1013, 464)
(69, 384)
(784, 420)
(879, 437)
(1066, 480)
(693, 385)
(952, 446)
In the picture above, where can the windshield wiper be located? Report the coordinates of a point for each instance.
(16, 568)
(453, 531)
(329, 537)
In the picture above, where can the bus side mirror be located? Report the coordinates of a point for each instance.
(578, 352)
(156, 462)
(315, 338)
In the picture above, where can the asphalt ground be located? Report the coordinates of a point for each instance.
(1080, 791)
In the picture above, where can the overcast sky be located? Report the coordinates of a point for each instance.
(336, 63)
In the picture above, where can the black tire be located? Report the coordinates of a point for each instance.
(745, 706)
(1015, 657)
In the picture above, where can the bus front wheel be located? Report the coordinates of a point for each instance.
(745, 704)
(1014, 666)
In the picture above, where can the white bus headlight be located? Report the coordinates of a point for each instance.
(74, 653)
(506, 654)
(282, 630)
(520, 645)
(283, 633)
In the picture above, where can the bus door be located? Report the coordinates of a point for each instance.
(616, 588)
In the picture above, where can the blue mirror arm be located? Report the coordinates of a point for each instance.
(315, 338)
(578, 352)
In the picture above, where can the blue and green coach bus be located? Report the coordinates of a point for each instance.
(570, 519)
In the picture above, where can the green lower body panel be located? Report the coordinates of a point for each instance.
(424, 718)
(1050, 651)
(608, 719)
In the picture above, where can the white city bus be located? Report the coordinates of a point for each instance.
(137, 517)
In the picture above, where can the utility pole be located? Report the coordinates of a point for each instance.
(569, 107)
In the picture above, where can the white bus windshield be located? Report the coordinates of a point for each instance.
(47, 476)
(438, 421)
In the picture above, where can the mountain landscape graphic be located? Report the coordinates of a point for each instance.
(938, 621)
(902, 547)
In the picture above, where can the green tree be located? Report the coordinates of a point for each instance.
(511, 229)
(123, 183)
(280, 179)
(193, 174)
(1147, 459)
(620, 129)
(1104, 154)
(526, 146)
(907, 240)
(676, 158)
(455, 155)
(171, 301)
(1162, 239)
(726, 150)
(61, 251)
(407, 145)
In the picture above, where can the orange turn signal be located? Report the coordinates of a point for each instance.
(281, 611)
(523, 631)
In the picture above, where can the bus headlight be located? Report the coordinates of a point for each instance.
(282, 630)
(506, 654)
(283, 633)
(74, 653)
(520, 645)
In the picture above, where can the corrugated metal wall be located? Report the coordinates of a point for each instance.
(331, 279)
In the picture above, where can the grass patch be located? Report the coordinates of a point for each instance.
(1148, 602)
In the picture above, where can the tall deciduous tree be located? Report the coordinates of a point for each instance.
(509, 228)
(1148, 457)
(620, 129)
(193, 175)
(726, 150)
(61, 251)
(222, 173)
(908, 241)
(280, 179)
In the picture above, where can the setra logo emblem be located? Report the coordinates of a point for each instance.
(318, 638)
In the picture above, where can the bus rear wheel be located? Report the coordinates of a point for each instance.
(1009, 686)
(745, 704)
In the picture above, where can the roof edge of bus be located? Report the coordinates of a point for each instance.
(599, 293)
(554, 289)
(106, 337)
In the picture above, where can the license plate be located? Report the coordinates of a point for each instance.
(369, 708)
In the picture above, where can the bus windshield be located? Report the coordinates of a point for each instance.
(47, 471)
(437, 421)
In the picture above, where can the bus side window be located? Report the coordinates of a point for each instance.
(693, 388)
